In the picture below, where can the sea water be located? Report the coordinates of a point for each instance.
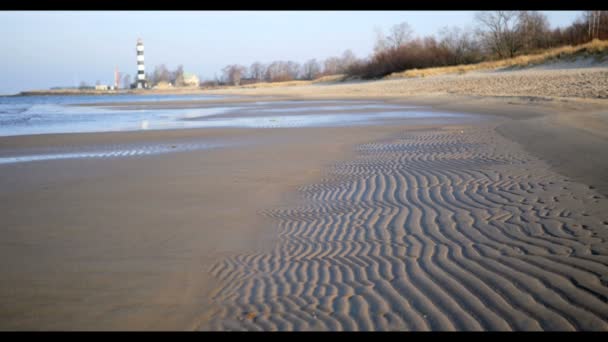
(25, 115)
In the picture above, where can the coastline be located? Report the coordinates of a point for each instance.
(544, 126)
(76, 92)
(133, 237)
(126, 243)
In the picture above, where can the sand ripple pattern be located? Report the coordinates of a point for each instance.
(115, 151)
(445, 229)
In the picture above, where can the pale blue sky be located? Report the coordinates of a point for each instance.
(45, 49)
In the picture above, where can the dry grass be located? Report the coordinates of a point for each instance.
(323, 79)
(566, 52)
(330, 79)
(275, 84)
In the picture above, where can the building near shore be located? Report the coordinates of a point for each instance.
(191, 80)
(102, 87)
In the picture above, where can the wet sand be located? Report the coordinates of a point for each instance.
(441, 229)
(459, 226)
(125, 243)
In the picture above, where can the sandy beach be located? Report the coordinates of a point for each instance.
(555, 80)
(493, 221)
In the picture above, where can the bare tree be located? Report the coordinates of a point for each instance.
(279, 71)
(597, 24)
(460, 44)
(311, 69)
(533, 30)
(380, 44)
(177, 77)
(331, 66)
(233, 73)
(293, 69)
(160, 74)
(592, 22)
(399, 35)
(273, 70)
(83, 85)
(348, 59)
(256, 71)
(498, 31)
(577, 33)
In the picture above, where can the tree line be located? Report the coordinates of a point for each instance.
(497, 35)
(494, 35)
(162, 74)
(281, 71)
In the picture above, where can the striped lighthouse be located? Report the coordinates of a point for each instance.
(141, 70)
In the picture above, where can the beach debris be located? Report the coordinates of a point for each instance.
(251, 316)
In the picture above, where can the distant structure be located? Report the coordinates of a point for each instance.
(141, 82)
(191, 80)
(102, 87)
(116, 78)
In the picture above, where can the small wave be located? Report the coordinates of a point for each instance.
(116, 152)
(13, 110)
(16, 120)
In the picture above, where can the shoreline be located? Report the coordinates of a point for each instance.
(573, 124)
(123, 244)
(101, 226)
(75, 92)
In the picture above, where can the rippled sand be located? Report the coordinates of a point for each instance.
(491, 221)
(442, 229)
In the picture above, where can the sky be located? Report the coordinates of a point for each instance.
(46, 49)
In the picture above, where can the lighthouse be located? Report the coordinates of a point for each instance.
(141, 71)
